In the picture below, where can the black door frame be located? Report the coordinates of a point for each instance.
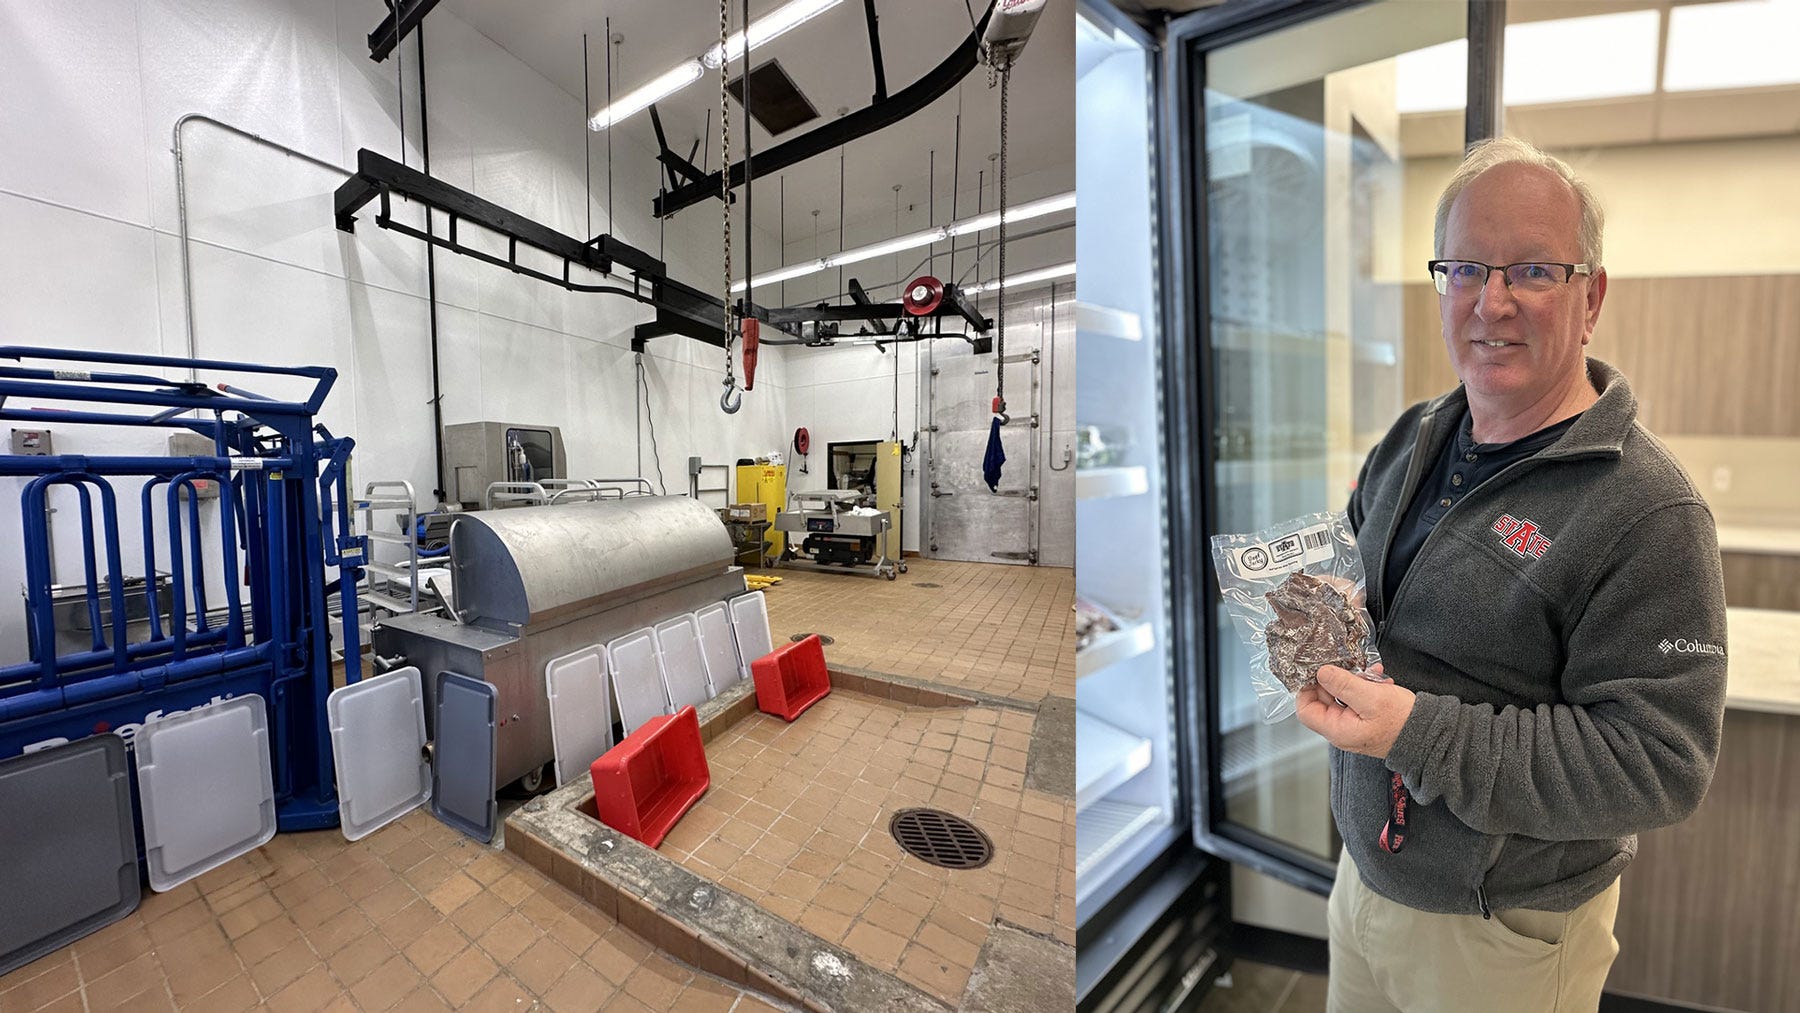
(1188, 358)
(1180, 903)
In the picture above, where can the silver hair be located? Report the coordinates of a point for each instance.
(1495, 151)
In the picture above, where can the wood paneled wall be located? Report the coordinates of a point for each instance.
(1706, 912)
(1759, 581)
(1706, 356)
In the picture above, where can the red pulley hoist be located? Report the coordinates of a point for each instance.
(751, 326)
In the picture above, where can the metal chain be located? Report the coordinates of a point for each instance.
(725, 179)
(1000, 306)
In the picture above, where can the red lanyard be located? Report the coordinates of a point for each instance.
(1393, 836)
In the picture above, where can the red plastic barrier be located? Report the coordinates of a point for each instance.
(644, 785)
(791, 678)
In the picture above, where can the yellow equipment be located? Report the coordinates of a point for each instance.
(887, 492)
(765, 483)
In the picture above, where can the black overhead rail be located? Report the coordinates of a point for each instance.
(955, 303)
(675, 167)
(875, 50)
(403, 16)
(378, 176)
(884, 112)
(680, 308)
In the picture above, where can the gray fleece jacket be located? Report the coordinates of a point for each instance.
(1564, 629)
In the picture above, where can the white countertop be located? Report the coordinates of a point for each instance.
(1763, 667)
(1760, 539)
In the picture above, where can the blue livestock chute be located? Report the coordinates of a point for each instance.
(260, 625)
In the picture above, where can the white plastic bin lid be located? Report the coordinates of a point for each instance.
(637, 678)
(718, 647)
(580, 711)
(750, 625)
(378, 741)
(205, 787)
(684, 670)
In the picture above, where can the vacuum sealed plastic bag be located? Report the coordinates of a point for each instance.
(1295, 594)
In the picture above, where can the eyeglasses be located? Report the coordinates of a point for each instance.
(1466, 277)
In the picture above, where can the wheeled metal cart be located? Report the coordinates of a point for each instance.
(841, 536)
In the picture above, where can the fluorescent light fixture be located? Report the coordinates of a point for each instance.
(778, 22)
(683, 75)
(1024, 212)
(911, 242)
(1575, 59)
(772, 25)
(1433, 79)
(1022, 280)
(1565, 60)
(785, 274)
(1744, 44)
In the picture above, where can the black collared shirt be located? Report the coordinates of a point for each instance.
(1462, 466)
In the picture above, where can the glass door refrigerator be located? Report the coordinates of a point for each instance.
(1251, 240)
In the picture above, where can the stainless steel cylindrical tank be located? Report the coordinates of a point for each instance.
(534, 565)
(535, 583)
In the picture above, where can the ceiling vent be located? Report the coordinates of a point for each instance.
(774, 100)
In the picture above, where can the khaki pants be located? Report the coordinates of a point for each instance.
(1389, 957)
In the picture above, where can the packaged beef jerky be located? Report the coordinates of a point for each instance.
(1295, 594)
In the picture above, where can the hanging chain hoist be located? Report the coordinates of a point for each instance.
(1007, 30)
(732, 399)
(1005, 72)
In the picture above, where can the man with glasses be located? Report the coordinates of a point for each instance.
(1546, 587)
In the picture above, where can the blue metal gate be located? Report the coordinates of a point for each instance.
(283, 517)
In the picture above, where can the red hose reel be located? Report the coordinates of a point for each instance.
(923, 296)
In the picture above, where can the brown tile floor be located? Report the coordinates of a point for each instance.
(418, 917)
(796, 820)
(1260, 988)
(1005, 630)
(413, 917)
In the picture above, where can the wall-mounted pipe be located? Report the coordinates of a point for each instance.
(187, 266)
(1050, 368)
(181, 215)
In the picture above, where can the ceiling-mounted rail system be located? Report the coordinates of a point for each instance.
(882, 113)
(403, 16)
(680, 308)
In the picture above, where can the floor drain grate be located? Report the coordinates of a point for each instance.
(935, 836)
(926, 584)
(824, 638)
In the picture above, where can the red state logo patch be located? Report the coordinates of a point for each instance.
(1521, 536)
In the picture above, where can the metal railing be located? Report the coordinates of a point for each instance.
(282, 519)
(552, 491)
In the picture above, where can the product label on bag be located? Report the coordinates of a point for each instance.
(1284, 555)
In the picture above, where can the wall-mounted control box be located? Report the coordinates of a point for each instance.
(32, 442)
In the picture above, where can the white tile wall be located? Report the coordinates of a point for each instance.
(74, 279)
(72, 125)
(88, 218)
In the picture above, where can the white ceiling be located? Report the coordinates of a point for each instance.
(828, 59)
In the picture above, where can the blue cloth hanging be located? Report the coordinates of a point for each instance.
(996, 456)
